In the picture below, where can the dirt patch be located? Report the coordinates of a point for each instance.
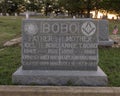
(116, 39)
(13, 42)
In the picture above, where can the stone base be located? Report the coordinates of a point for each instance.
(106, 43)
(57, 77)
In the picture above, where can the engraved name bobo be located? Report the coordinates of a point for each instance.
(31, 28)
(88, 28)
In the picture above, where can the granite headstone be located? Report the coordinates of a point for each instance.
(60, 45)
(104, 39)
(56, 51)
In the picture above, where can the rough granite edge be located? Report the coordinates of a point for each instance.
(57, 77)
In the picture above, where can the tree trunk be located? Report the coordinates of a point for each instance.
(88, 8)
(81, 13)
(106, 14)
(46, 9)
(96, 13)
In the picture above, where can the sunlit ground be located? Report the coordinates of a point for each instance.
(100, 15)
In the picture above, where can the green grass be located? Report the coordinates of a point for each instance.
(10, 57)
(109, 61)
(10, 27)
(9, 62)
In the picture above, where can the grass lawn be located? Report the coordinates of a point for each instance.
(9, 62)
(109, 61)
(10, 57)
(10, 27)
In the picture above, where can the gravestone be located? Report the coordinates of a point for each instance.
(60, 51)
(7, 14)
(16, 14)
(27, 15)
(1, 14)
(104, 39)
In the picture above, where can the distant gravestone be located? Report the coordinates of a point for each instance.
(104, 39)
(1, 14)
(7, 14)
(56, 51)
(27, 15)
(16, 14)
(74, 17)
